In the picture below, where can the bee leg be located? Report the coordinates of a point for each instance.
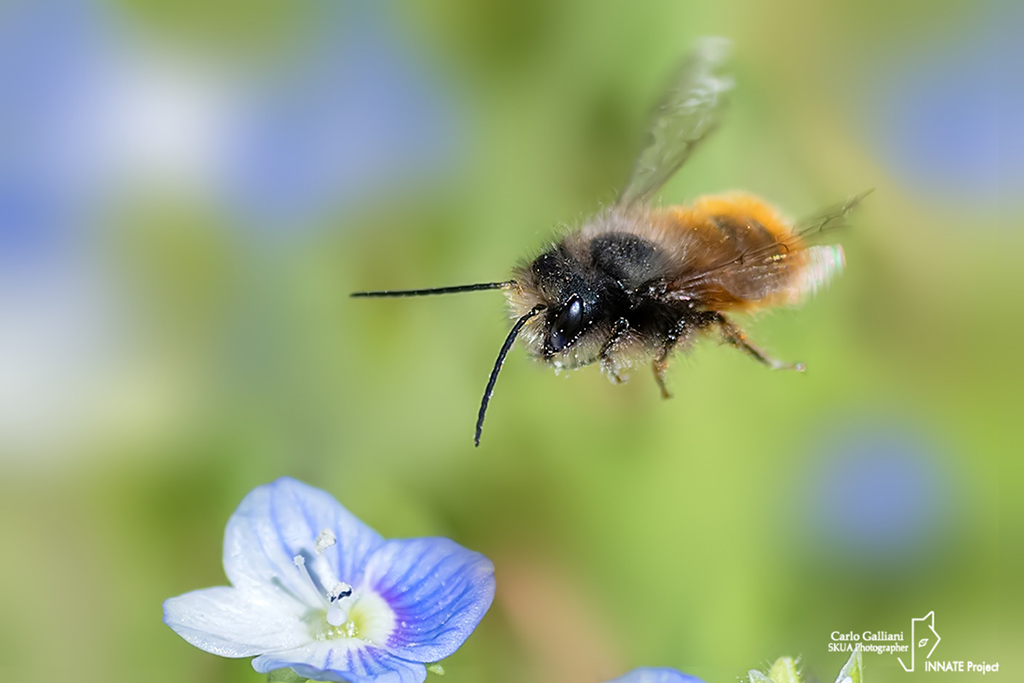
(734, 336)
(619, 331)
(660, 364)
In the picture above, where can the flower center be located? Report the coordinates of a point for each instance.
(344, 612)
(366, 616)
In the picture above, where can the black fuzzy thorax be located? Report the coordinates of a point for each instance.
(619, 278)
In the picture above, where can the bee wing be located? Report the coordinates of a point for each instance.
(830, 219)
(783, 279)
(689, 110)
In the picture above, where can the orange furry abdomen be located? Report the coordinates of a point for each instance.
(736, 253)
(708, 212)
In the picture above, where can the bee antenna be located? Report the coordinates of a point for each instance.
(497, 367)
(437, 290)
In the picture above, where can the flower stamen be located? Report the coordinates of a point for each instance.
(324, 540)
(336, 614)
(300, 562)
(342, 590)
(338, 602)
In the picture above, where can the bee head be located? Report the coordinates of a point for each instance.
(574, 301)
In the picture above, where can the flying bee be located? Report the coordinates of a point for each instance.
(638, 282)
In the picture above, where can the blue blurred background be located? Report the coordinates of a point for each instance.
(189, 191)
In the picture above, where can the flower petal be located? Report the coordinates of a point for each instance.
(656, 675)
(278, 521)
(236, 623)
(438, 591)
(352, 661)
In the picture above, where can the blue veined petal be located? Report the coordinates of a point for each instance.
(656, 675)
(290, 550)
(438, 591)
(351, 660)
(236, 623)
(278, 521)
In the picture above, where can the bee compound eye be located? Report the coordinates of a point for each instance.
(566, 325)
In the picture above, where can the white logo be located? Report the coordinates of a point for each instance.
(923, 636)
(926, 627)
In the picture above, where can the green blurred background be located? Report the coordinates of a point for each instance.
(190, 192)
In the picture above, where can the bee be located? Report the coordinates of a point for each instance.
(638, 282)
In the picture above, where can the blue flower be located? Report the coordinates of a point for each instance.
(650, 675)
(316, 590)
